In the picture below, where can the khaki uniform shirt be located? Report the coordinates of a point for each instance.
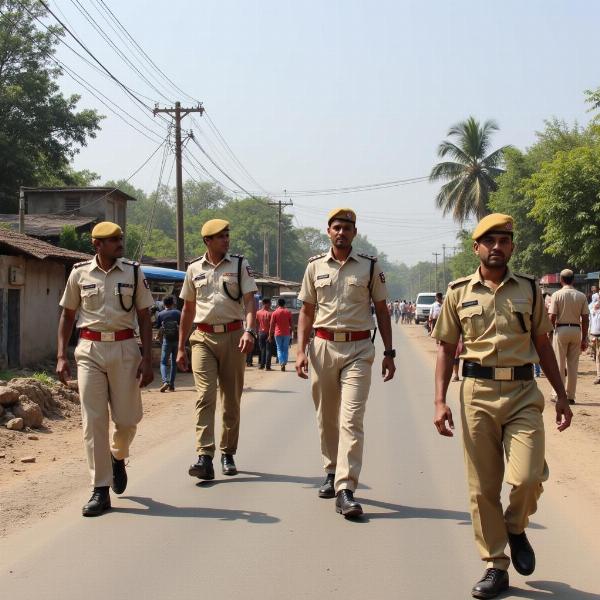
(493, 333)
(204, 283)
(568, 304)
(95, 293)
(341, 291)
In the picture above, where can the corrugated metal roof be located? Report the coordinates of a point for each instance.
(77, 190)
(46, 225)
(20, 244)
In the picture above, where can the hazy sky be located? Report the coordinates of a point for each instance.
(315, 95)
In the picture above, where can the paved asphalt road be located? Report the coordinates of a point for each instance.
(266, 535)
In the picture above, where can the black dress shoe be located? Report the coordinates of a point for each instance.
(493, 582)
(521, 553)
(119, 482)
(228, 465)
(98, 503)
(203, 469)
(327, 490)
(347, 505)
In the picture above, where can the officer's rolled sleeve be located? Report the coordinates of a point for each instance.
(541, 321)
(447, 328)
(308, 293)
(71, 298)
(247, 284)
(188, 292)
(143, 296)
(378, 289)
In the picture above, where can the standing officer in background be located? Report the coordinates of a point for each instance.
(569, 313)
(341, 284)
(218, 294)
(109, 292)
(504, 325)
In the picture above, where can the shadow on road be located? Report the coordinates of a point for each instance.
(548, 590)
(254, 476)
(160, 509)
(268, 391)
(398, 511)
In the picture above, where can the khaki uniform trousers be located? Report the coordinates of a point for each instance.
(216, 356)
(341, 378)
(502, 419)
(567, 347)
(106, 375)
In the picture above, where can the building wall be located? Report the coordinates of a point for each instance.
(39, 310)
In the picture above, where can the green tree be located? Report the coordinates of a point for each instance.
(199, 196)
(40, 129)
(71, 240)
(464, 262)
(566, 195)
(470, 175)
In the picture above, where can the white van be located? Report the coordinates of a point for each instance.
(424, 302)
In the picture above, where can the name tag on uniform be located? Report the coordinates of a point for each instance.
(326, 276)
(470, 303)
(126, 285)
(229, 274)
(89, 286)
(199, 277)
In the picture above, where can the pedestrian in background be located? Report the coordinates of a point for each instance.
(168, 321)
(263, 320)
(595, 335)
(436, 309)
(281, 330)
(218, 294)
(110, 293)
(569, 313)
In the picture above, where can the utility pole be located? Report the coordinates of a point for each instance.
(266, 258)
(21, 210)
(436, 254)
(444, 283)
(279, 204)
(178, 113)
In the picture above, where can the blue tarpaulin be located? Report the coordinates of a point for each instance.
(162, 274)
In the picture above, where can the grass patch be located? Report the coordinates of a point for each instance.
(6, 375)
(44, 377)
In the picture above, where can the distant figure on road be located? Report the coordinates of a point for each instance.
(218, 294)
(281, 329)
(569, 313)
(341, 283)
(167, 321)
(436, 309)
(109, 292)
(504, 325)
(263, 319)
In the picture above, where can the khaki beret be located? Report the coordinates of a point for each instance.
(213, 227)
(106, 229)
(566, 273)
(496, 222)
(342, 214)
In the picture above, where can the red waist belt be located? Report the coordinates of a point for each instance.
(342, 336)
(226, 327)
(106, 336)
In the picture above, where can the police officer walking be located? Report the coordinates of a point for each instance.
(218, 294)
(504, 325)
(109, 292)
(337, 290)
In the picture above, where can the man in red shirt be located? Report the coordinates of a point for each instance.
(263, 319)
(281, 326)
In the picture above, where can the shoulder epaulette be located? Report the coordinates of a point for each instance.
(373, 258)
(196, 259)
(458, 282)
(317, 256)
(524, 276)
(81, 264)
(133, 263)
(236, 255)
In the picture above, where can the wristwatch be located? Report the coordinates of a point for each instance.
(391, 353)
(251, 332)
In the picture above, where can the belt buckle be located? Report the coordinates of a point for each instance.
(107, 336)
(339, 336)
(218, 328)
(503, 373)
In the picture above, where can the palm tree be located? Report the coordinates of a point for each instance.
(471, 174)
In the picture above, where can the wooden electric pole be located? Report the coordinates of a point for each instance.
(178, 113)
(436, 254)
(279, 204)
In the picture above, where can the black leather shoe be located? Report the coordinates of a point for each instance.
(203, 469)
(327, 490)
(521, 553)
(347, 505)
(493, 582)
(228, 465)
(98, 503)
(119, 482)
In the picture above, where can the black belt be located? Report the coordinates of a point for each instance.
(568, 325)
(475, 370)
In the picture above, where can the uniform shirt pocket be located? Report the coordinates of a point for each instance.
(231, 283)
(471, 320)
(356, 290)
(90, 296)
(520, 317)
(201, 286)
